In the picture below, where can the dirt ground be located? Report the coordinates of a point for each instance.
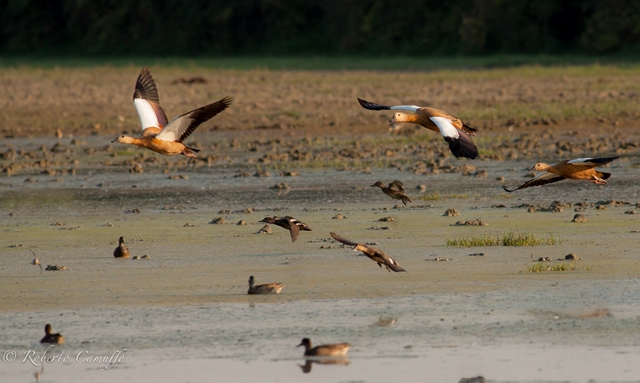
(297, 143)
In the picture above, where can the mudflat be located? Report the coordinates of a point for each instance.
(298, 144)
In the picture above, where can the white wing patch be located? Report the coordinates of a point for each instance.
(148, 117)
(174, 129)
(412, 108)
(446, 127)
(581, 161)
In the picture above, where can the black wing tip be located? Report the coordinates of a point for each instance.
(146, 87)
(462, 147)
(507, 190)
(604, 160)
(372, 106)
(226, 101)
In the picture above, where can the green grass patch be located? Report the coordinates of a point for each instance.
(437, 196)
(540, 267)
(508, 239)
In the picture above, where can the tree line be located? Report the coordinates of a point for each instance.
(322, 27)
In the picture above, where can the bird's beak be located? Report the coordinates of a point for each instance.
(531, 168)
(301, 344)
(116, 140)
(373, 185)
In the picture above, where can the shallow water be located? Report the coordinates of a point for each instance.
(184, 315)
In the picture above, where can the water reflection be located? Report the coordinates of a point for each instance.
(306, 367)
(385, 321)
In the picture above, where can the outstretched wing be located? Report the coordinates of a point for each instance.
(459, 141)
(343, 240)
(182, 126)
(372, 106)
(396, 186)
(592, 162)
(147, 102)
(542, 179)
(294, 229)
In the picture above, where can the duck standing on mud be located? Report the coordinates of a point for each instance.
(158, 134)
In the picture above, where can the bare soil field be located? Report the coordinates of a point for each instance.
(297, 143)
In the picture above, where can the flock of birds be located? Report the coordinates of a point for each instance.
(167, 138)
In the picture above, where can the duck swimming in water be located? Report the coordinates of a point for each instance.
(51, 338)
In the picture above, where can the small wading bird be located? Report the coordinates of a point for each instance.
(371, 252)
(293, 225)
(268, 288)
(121, 251)
(335, 350)
(158, 134)
(395, 191)
(578, 169)
(51, 338)
(453, 130)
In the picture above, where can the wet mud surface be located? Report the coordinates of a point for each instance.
(68, 199)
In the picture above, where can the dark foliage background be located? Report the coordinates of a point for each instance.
(291, 27)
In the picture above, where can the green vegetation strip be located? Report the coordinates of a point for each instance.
(509, 239)
(540, 267)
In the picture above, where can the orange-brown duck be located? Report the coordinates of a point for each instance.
(158, 134)
(452, 129)
(578, 169)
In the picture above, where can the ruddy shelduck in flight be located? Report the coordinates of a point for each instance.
(578, 169)
(158, 134)
(453, 130)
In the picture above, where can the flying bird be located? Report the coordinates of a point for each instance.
(453, 130)
(578, 169)
(293, 225)
(158, 134)
(371, 252)
(395, 191)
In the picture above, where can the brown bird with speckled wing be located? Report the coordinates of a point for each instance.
(578, 169)
(293, 225)
(452, 129)
(395, 191)
(158, 134)
(334, 350)
(371, 252)
(267, 288)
